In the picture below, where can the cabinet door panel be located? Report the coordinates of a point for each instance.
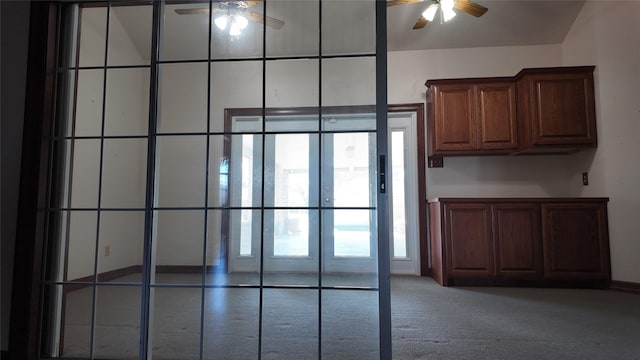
(517, 240)
(455, 119)
(564, 109)
(497, 116)
(575, 238)
(469, 240)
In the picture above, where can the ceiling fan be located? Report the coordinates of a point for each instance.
(446, 9)
(235, 15)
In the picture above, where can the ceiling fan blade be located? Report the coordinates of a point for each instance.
(253, 3)
(402, 2)
(192, 11)
(470, 7)
(420, 23)
(261, 19)
(205, 10)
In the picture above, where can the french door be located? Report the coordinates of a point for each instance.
(335, 196)
(150, 192)
(322, 188)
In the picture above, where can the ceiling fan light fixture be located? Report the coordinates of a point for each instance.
(447, 4)
(448, 14)
(234, 30)
(240, 21)
(222, 21)
(447, 9)
(430, 12)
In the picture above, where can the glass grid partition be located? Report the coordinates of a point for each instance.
(214, 190)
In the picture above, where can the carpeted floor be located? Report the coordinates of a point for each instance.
(428, 322)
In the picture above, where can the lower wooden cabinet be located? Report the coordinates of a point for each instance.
(520, 241)
(575, 240)
(517, 245)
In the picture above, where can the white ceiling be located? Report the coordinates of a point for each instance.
(506, 23)
(348, 27)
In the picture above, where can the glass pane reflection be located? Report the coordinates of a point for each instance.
(117, 329)
(231, 323)
(350, 324)
(290, 324)
(77, 321)
(176, 323)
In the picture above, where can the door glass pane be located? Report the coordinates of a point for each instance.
(398, 194)
(176, 323)
(76, 321)
(349, 81)
(117, 328)
(93, 29)
(88, 107)
(220, 178)
(231, 323)
(217, 240)
(291, 233)
(81, 247)
(181, 168)
(353, 154)
(233, 37)
(352, 233)
(181, 19)
(127, 102)
(350, 324)
(290, 179)
(292, 83)
(290, 324)
(291, 170)
(124, 164)
(130, 35)
(247, 167)
(86, 173)
(179, 247)
(183, 98)
(348, 27)
(292, 28)
(230, 266)
(235, 85)
(121, 243)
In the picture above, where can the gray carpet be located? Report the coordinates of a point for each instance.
(429, 322)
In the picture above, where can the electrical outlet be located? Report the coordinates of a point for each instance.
(107, 250)
(435, 162)
(585, 178)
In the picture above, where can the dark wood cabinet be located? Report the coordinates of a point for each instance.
(575, 240)
(472, 254)
(454, 118)
(510, 241)
(471, 116)
(497, 116)
(518, 249)
(556, 109)
(542, 110)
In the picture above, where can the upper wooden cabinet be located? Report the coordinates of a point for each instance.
(471, 116)
(545, 110)
(556, 109)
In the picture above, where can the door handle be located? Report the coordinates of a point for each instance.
(382, 170)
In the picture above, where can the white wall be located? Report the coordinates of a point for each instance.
(607, 34)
